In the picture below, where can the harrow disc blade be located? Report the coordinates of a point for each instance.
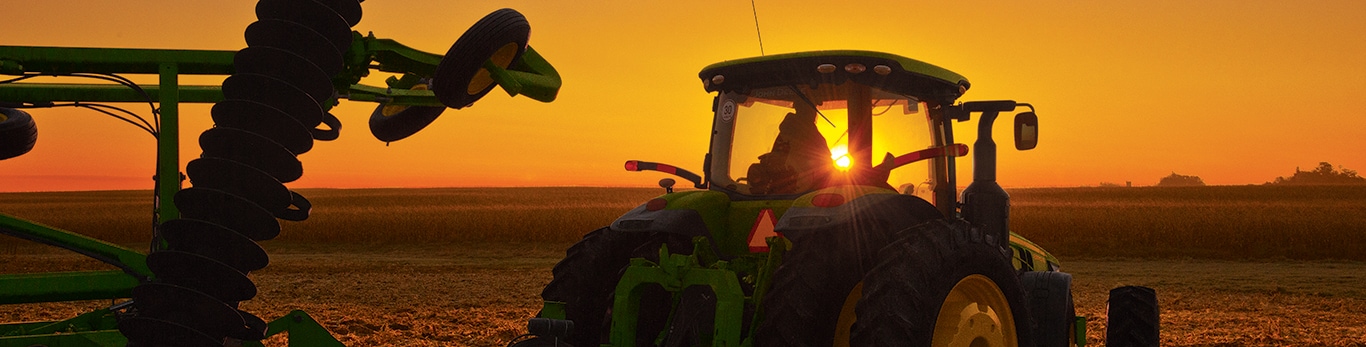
(252, 149)
(200, 273)
(298, 39)
(274, 92)
(185, 306)
(151, 332)
(264, 120)
(312, 15)
(216, 242)
(240, 180)
(348, 9)
(460, 78)
(231, 211)
(254, 330)
(288, 67)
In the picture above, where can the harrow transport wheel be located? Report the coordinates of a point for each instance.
(585, 280)
(1132, 317)
(1051, 307)
(392, 123)
(941, 286)
(460, 78)
(18, 133)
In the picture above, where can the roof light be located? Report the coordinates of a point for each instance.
(718, 79)
(825, 68)
(882, 69)
(855, 68)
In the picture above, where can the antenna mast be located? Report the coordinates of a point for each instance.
(756, 27)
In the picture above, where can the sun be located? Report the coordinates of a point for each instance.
(841, 156)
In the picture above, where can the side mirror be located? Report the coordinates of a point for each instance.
(1026, 131)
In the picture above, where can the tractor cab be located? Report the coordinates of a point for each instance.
(787, 125)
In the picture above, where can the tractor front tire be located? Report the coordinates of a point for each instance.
(586, 280)
(943, 285)
(1051, 307)
(18, 133)
(1132, 318)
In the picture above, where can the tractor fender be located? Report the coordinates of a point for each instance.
(690, 214)
(859, 209)
(682, 222)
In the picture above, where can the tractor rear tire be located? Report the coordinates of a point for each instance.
(1051, 307)
(18, 133)
(586, 280)
(814, 281)
(904, 295)
(1132, 318)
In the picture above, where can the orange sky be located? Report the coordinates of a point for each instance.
(1236, 92)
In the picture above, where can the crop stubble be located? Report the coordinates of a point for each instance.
(465, 266)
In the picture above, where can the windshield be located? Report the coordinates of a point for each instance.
(796, 139)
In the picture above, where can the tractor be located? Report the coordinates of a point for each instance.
(301, 60)
(828, 213)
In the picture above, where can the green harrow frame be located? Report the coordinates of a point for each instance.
(529, 74)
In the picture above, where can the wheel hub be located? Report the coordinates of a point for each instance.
(975, 314)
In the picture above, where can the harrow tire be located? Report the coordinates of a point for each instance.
(904, 293)
(1132, 318)
(586, 279)
(463, 63)
(18, 133)
(1051, 307)
(398, 126)
(393, 123)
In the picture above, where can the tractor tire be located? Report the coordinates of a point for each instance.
(586, 279)
(940, 264)
(1132, 318)
(1050, 305)
(811, 286)
(460, 78)
(18, 133)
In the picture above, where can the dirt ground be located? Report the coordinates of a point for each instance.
(480, 295)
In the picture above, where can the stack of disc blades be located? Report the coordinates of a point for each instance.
(271, 113)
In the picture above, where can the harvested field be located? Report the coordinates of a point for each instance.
(464, 267)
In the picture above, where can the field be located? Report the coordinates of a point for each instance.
(1233, 266)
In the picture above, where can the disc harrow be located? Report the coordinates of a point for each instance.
(231, 204)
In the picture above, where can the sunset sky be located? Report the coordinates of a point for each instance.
(1236, 92)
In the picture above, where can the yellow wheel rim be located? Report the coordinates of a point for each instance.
(975, 314)
(845, 325)
(502, 57)
(390, 111)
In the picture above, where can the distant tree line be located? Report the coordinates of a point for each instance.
(1179, 180)
(1323, 175)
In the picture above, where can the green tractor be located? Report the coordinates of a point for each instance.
(827, 213)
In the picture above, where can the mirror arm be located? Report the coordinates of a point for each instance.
(637, 166)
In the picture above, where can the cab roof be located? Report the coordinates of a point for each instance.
(889, 72)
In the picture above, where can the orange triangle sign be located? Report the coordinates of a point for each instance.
(763, 229)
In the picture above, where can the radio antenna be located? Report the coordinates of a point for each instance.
(756, 27)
